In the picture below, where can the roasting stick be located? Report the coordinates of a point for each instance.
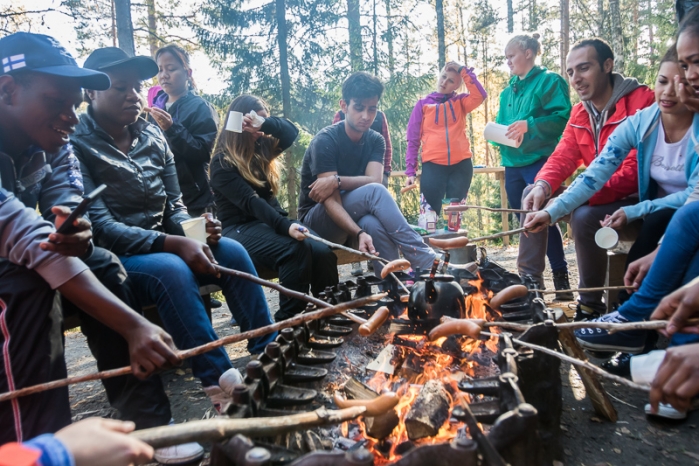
(611, 326)
(463, 208)
(576, 362)
(294, 321)
(586, 290)
(212, 430)
(355, 251)
(498, 235)
(286, 291)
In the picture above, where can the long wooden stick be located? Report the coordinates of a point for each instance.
(294, 321)
(463, 208)
(586, 290)
(212, 430)
(497, 235)
(611, 326)
(577, 362)
(357, 252)
(286, 291)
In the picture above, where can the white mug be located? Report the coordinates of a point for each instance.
(235, 122)
(607, 238)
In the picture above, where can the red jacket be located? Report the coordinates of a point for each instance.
(577, 147)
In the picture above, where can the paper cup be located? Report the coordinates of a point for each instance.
(607, 238)
(645, 366)
(235, 122)
(195, 228)
(496, 133)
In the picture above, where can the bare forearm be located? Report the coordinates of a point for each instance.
(85, 291)
(353, 182)
(338, 214)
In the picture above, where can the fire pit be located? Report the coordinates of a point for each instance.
(459, 401)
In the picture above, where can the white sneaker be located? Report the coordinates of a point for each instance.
(219, 398)
(179, 454)
(230, 378)
(666, 411)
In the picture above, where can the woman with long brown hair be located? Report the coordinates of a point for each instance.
(245, 180)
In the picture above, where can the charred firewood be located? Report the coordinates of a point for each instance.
(378, 427)
(429, 412)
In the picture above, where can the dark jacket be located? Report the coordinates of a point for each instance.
(142, 200)
(191, 138)
(237, 201)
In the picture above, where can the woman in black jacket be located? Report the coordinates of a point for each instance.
(190, 125)
(245, 180)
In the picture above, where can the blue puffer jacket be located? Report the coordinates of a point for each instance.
(639, 131)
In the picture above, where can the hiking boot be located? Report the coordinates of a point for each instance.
(561, 282)
(215, 303)
(357, 269)
(619, 364)
(219, 399)
(583, 312)
(599, 339)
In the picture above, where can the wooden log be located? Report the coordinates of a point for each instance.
(378, 427)
(211, 430)
(594, 389)
(429, 412)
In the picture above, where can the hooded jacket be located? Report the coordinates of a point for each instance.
(542, 99)
(191, 138)
(142, 200)
(438, 124)
(640, 132)
(582, 141)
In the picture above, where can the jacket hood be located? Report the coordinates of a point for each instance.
(87, 125)
(622, 87)
(438, 98)
(533, 72)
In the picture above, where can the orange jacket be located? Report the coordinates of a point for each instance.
(438, 124)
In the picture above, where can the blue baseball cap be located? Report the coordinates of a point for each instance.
(44, 54)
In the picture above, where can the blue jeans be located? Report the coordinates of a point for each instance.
(677, 263)
(165, 280)
(518, 178)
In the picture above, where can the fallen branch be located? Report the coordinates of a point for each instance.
(463, 208)
(220, 428)
(611, 326)
(357, 252)
(294, 321)
(498, 235)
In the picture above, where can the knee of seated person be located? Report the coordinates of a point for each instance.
(106, 267)
(689, 212)
(583, 216)
(231, 254)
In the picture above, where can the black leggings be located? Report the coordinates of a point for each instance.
(450, 180)
(301, 264)
(654, 226)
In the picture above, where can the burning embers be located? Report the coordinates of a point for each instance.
(424, 397)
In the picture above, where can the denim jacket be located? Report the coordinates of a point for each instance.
(639, 131)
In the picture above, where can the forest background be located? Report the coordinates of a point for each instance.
(296, 53)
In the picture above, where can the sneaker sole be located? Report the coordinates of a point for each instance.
(610, 348)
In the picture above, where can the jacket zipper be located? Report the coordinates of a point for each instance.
(446, 129)
(595, 140)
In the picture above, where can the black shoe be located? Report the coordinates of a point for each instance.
(561, 282)
(215, 303)
(583, 313)
(619, 364)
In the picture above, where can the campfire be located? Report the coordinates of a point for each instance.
(425, 399)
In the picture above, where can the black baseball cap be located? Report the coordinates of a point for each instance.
(112, 57)
(44, 54)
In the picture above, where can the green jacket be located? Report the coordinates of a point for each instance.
(542, 99)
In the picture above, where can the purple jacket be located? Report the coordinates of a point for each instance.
(438, 124)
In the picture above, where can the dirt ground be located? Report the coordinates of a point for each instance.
(632, 440)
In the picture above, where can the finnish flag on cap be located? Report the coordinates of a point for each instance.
(12, 63)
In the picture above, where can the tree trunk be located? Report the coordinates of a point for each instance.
(600, 13)
(355, 35)
(617, 38)
(510, 17)
(650, 34)
(485, 103)
(282, 34)
(389, 39)
(533, 18)
(122, 9)
(374, 45)
(441, 48)
(114, 28)
(152, 27)
(565, 35)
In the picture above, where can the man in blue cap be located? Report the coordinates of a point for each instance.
(40, 89)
